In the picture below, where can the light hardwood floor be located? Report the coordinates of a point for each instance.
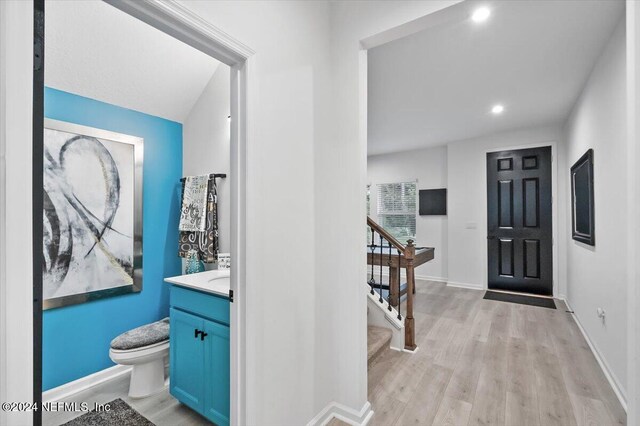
(480, 362)
(162, 409)
(483, 362)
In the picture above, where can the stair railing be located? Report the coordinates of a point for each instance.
(382, 254)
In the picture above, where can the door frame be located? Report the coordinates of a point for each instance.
(557, 293)
(20, 347)
(181, 23)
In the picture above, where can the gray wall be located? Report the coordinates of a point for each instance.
(206, 143)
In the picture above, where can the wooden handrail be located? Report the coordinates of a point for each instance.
(387, 236)
(409, 321)
(407, 252)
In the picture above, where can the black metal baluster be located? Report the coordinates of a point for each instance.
(399, 287)
(372, 247)
(381, 300)
(389, 274)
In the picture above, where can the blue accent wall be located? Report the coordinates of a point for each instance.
(76, 338)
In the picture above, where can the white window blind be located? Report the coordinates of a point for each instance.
(397, 209)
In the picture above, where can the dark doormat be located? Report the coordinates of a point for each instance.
(521, 299)
(120, 414)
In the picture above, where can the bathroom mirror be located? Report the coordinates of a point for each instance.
(582, 202)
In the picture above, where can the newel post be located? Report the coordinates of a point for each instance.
(409, 322)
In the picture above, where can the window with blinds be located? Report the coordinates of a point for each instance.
(397, 209)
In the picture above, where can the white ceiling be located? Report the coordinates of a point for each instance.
(438, 85)
(97, 51)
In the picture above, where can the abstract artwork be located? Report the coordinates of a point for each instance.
(92, 246)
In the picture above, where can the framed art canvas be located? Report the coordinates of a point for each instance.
(92, 215)
(582, 201)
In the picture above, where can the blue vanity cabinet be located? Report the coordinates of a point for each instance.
(186, 359)
(216, 389)
(199, 359)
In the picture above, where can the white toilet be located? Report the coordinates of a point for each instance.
(146, 348)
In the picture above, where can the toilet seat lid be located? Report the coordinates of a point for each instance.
(146, 335)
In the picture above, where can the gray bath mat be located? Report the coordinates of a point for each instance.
(120, 414)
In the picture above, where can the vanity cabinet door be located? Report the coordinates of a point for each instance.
(187, 359)
(217, 385)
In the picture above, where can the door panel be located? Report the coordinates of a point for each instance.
(187, 359)
(519, 228)
(217, 370)
(505, 204)
(505, 249)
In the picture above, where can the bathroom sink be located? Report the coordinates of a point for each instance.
(215, 282)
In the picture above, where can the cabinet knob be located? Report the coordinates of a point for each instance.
(196, 332)
(203, 335)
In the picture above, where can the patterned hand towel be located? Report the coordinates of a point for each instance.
(204, 243)
(194, 203)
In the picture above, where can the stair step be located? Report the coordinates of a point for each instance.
(378, 340)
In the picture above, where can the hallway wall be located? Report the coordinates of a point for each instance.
(597, 275)
(289, 105)
(467, 203)
(429, 167)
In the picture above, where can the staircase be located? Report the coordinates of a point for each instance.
(386, 258)
(378, 341)
(387, 295)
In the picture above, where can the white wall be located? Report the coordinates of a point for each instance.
(289, 98)
(467, 199)
(340, 179)
(429, 167)
(597, 275)
(16, 295)
(305, 328)
(633, 253)
(206, 144)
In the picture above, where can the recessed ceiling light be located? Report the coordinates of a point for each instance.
(497, 109)
(481, 14)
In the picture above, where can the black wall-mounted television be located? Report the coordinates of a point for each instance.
(433, 202)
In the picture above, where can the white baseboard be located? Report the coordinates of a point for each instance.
(344, 413)
(83, 383)
(428, 278)
(418, 277)
(465, 285)
(611, 377)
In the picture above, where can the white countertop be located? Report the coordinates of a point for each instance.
(215, 282)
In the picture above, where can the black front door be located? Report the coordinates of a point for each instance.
(519, 221)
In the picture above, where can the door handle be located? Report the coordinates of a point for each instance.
(203, 335)
(196, 332)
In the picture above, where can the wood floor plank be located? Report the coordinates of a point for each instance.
(482, 323)
(426, 396)
(464, 380)
(554, 405)
(452, 412)
(402, 378)
(387, 409)
(449, 354)
(521, 409)
(590, 412)
(522, 396)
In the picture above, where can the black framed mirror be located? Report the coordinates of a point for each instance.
(582, 201)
